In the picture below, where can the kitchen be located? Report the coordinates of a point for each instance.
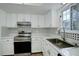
(39, 29)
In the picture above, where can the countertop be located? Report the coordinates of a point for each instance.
(73, 51)
(70, 51)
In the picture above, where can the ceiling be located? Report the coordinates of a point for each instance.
(33, 8)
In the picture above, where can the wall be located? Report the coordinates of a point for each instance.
(7, 32)
(36, 32)
(2, 21)
(0, 43)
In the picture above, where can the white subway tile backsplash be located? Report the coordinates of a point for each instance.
(8, 32)
(72, 36)
(43, 32)
(36, 32)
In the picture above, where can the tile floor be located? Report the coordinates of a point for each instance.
(37, 54)
(28, 54)
(23, 54)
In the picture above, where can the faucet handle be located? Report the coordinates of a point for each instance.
(76, 45)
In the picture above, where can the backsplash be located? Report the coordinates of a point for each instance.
(36, 32)
(8, 32)
(72, 37)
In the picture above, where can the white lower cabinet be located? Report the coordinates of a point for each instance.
(0, 47)
(36, 45)
(44, 48)
(52, 51)
(48, 50)
(7, 47)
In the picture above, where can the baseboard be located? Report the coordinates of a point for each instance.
(31, 53)
(7, 55)
(36, 52)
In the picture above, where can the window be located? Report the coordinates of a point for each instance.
(75, 17)
(71, 18)
(66, 19)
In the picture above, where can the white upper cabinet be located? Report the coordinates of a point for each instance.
(51, 19)
(20, 17)
(11, 20)
(41, 21)
(37, 21)
(27, 18)
(48, 20)
(14, 20)
(34, 21)
(2, 18)
(24, 17)
(55, 18)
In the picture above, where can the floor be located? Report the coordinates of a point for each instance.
(23, 54)
(28, 54)
(37, 54)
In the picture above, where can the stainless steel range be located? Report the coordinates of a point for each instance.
(22, 42)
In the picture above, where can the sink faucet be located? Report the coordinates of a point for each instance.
(64, 33)
(59, 32)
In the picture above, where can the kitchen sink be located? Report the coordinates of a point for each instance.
(59, 43)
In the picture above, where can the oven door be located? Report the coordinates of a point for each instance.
(22, 47)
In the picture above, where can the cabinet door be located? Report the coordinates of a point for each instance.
(34, 21)
(45, 48)
(36, 45)
(0, 47)
(41, 21)
(11, 20)
(7, 47)
(27, 18)
(46, 51)
(20, 17)
(55, 19)
(52, 51)
(48, 20)
(24, 18)
(52, 19)
(14, 20)
(2, 18)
